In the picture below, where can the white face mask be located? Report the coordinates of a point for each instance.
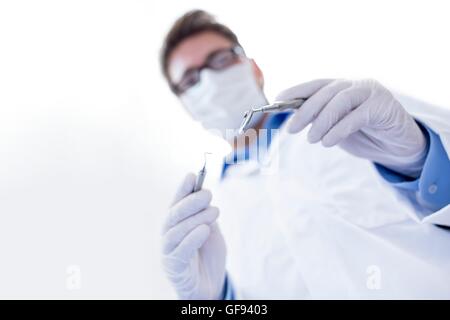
(221, 98)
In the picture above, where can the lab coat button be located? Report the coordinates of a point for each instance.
(432, 188)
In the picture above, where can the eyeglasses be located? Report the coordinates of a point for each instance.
(217, 60)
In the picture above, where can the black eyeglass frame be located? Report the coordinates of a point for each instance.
(237, 52)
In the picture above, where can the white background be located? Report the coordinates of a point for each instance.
(92, 144)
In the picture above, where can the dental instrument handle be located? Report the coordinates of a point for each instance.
(282, 106)
(199, 180)
(201, 175)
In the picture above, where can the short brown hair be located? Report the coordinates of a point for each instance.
(191, 23)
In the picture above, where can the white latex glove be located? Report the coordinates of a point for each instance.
(193, 247)
(363, 118)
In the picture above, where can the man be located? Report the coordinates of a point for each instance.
(323, 225)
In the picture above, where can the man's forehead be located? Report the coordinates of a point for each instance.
(193, 51)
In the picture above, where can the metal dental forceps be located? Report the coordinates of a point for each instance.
(277, 106)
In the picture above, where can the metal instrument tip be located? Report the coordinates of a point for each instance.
(247, 117)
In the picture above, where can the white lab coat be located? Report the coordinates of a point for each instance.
(314, 222)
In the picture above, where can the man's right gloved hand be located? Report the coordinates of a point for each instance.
(193, 248)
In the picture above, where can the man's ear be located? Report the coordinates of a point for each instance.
(259, 76)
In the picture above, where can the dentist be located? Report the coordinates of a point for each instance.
(330, 216)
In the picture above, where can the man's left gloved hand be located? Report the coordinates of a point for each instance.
(362, 117)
